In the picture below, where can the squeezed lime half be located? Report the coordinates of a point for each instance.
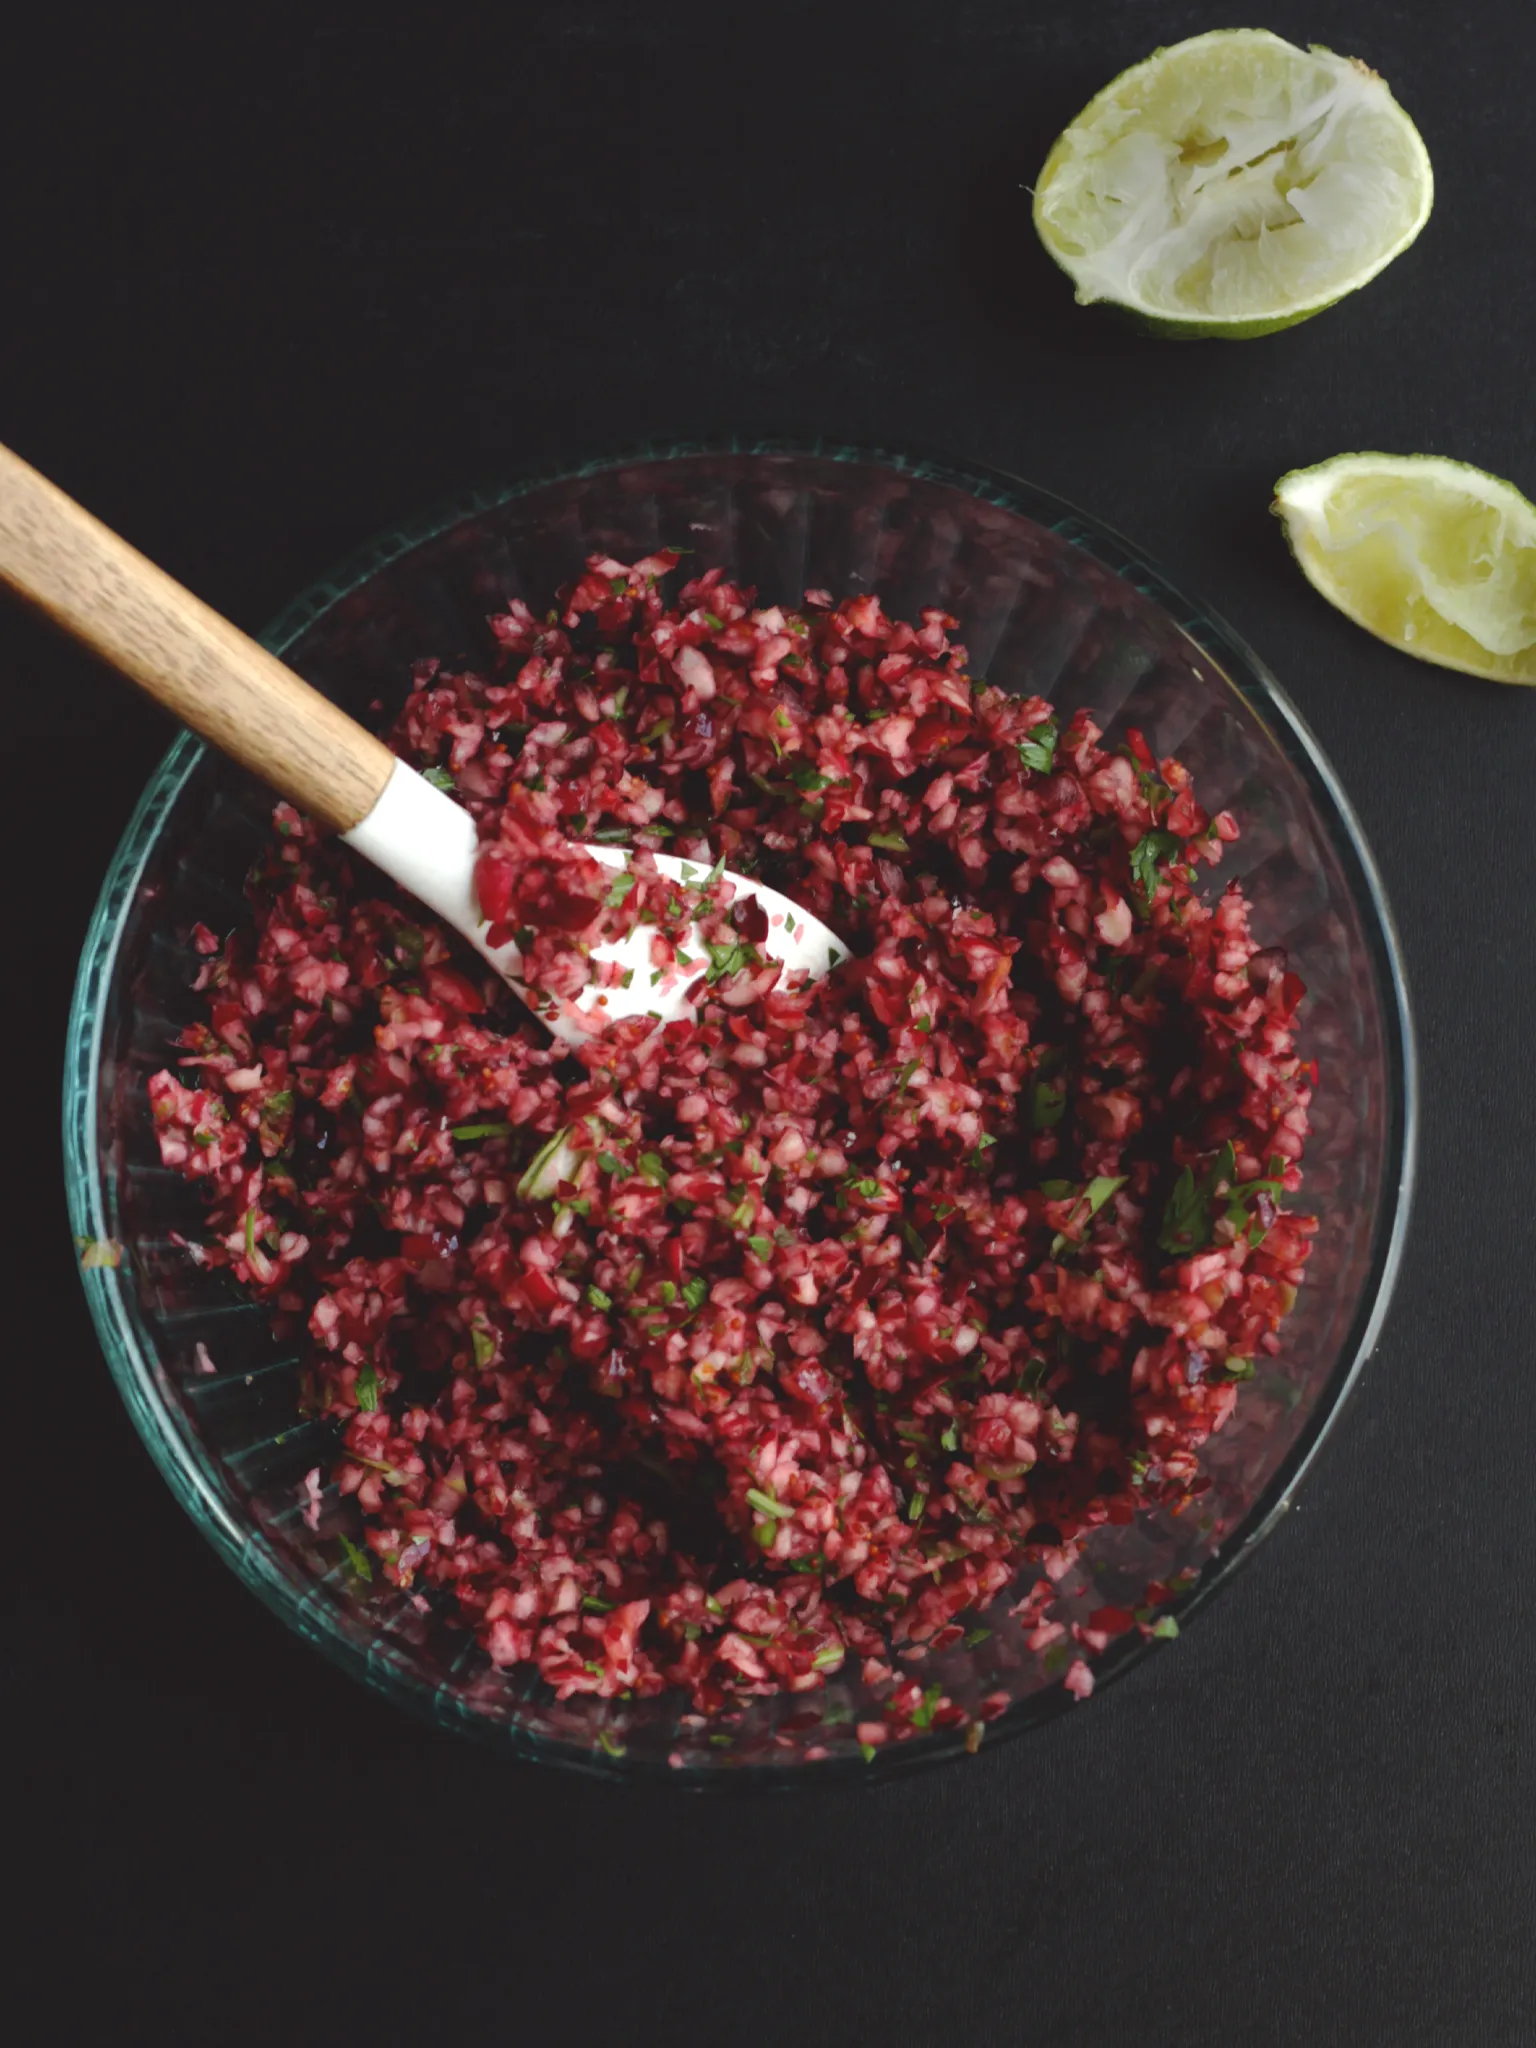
(1232, 185)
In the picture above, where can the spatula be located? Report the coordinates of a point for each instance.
(242, 699)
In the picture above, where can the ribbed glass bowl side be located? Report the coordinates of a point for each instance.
(1048, 601)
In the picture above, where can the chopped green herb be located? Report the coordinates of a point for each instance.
(922, 1716)
(484, 1343)
(439, 778)
(668, 1293)
(867, 1751)
(1046, 1106)
(367, 1389)
(696, 1292)
(890, 842)
(597, 1299)
(1238, 1368)
(610, 1742)
(1038, 750)
(612, 1164)
(828, 1657)
(915, 1507)
(654, 1168)
(1186, 1222)
(1166, 1627)
(1087, 1206)
(914, 1239)
(465, 1133)
(359, 1560)
(762, 1247)
(975, 1636)
(1151, 848)
(767, 1505)
(728, 957)
(950, 1440)
(619, 889)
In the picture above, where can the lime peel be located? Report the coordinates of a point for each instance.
(1435, 557)
(1233, 185)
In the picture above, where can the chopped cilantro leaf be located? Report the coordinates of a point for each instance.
(1038, 749)
(913, 1236)
(1148, 851)
(1186, 1222)
(366, 1390)
(922, 1716)
(1047, 1105)
(1100, 1188)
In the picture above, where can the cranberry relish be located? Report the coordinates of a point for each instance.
(838, 1303)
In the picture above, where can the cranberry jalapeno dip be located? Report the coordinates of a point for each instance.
(713, 1354)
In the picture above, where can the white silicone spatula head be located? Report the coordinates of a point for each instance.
(428, 843)
(236, 694)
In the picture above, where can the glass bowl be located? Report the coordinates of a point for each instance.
(1049, 602)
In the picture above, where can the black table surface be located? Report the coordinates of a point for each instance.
(266, 294)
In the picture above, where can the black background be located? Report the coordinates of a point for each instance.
(264, 294)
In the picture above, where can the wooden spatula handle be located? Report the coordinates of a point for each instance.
(216, 679)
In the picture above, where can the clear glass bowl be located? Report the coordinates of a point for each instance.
(1049, 602)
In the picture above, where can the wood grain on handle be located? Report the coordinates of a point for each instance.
(210, 674)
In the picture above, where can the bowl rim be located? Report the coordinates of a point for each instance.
(140, 1382)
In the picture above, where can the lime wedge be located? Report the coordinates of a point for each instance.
(1437, 557)
(1233, 185)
